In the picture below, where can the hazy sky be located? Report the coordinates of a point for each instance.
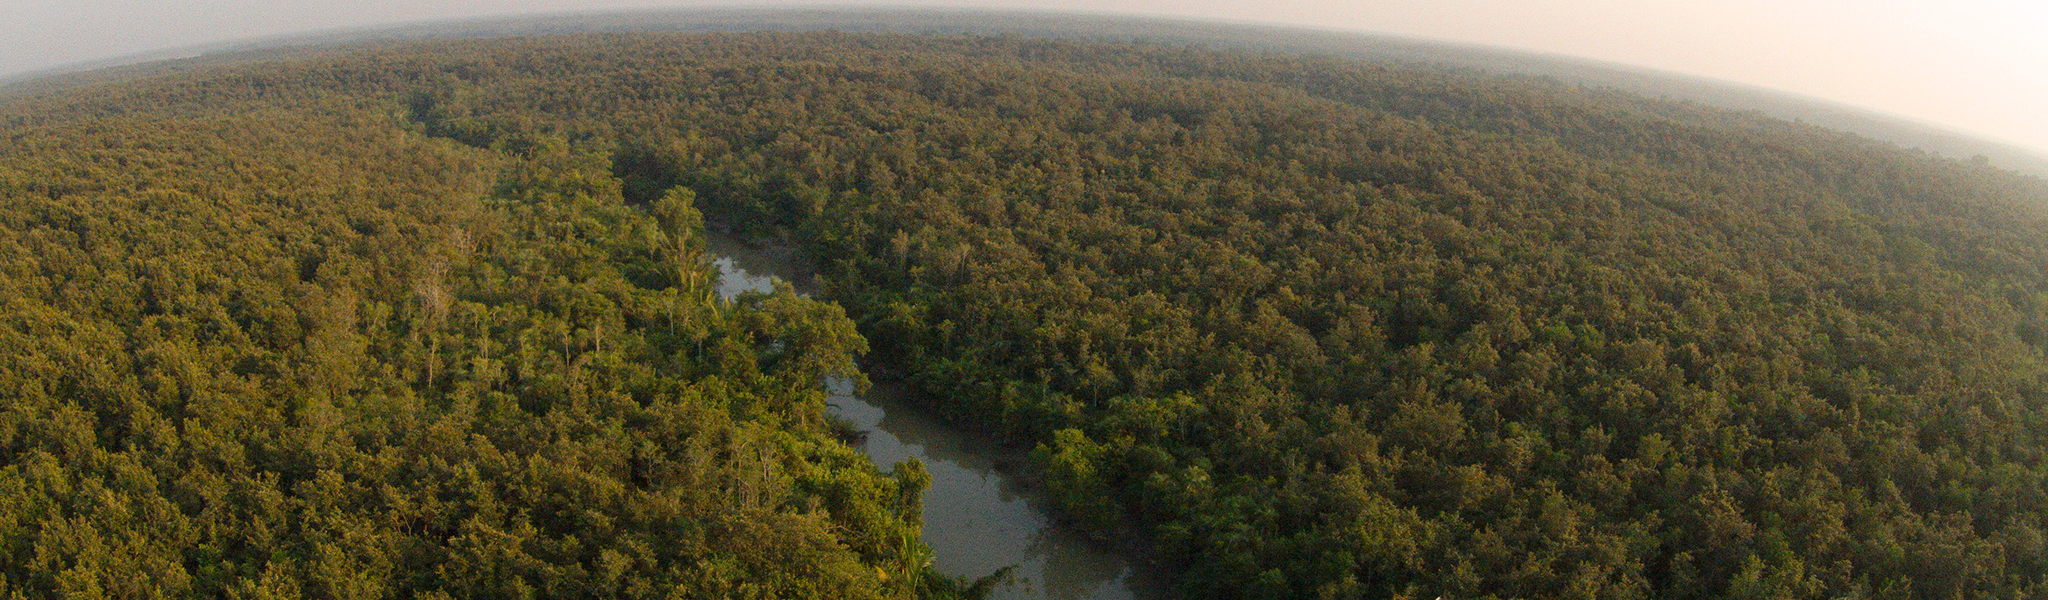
(1978, 66)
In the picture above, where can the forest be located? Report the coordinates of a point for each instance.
(433, 319)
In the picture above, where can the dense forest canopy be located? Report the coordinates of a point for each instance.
(432, 319)
(282, 348)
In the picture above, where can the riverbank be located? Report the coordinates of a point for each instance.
(984, 510)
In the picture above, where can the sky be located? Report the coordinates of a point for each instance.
(1973, 66)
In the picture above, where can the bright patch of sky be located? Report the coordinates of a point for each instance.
(1976, 66)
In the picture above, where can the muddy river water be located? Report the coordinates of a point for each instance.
(977, 517)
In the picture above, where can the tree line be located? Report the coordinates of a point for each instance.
(1317, 328)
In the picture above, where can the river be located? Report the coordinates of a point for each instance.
(977, 518)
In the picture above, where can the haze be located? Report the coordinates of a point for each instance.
(1975, 66)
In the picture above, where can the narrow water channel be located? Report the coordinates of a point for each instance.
(976, 517)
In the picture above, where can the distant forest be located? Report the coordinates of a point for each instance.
(1412, 53)
(434, 320)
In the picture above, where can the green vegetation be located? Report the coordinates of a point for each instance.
(281, 349)
(430, 318)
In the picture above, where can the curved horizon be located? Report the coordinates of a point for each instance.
(2015, 138)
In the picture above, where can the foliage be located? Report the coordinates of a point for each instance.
(277, 351)
(1320, 328)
